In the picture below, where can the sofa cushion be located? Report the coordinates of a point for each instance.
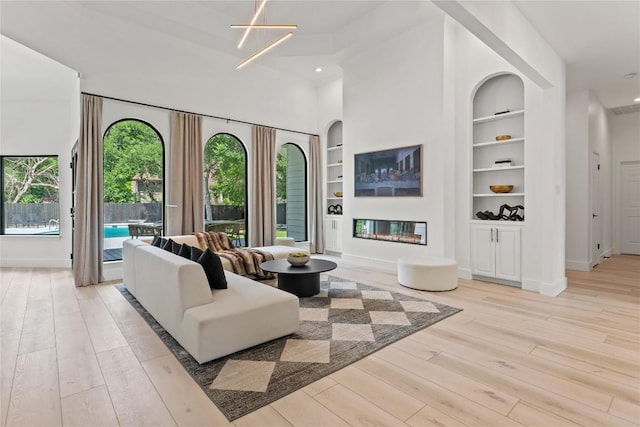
(196, 253)
(185, 251)
(212, 266)
(168, 245)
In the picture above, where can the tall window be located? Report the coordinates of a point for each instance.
(225, 187)
(133, 184)
(291, 193)
(30, 195)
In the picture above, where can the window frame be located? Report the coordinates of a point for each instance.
(246, 181)
(3, 213)
(306, 187)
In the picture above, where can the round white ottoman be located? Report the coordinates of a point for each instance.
(285, 241)
(428, 273)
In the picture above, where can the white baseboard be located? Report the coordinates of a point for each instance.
(464, 273)
(577, 265)
(530, 285)
(553, 289)
(36, 263)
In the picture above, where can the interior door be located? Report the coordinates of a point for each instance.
(594, 172)
(630, 240)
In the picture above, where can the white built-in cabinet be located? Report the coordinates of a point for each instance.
(495, 252)
(333, 233)
(333, 218)
(498, 109)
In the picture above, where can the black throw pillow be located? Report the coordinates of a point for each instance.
(185, 251)
(196, 253)
(156, 241)
(175, 247)
(160, 242)
(168, 245)
(212, 266)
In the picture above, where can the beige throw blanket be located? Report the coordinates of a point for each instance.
(244, 261)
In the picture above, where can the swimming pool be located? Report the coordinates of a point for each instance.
(116, 230)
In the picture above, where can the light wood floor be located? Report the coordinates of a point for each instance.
(83, 357)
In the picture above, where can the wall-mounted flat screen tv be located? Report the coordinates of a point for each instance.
(389, 173)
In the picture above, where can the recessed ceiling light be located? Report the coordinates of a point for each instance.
(637, 99)
(318, 70)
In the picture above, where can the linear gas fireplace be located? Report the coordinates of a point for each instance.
(413, 232)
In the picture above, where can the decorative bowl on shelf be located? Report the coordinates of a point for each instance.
(503, 137)
(501, 188)
(298, 259)
(337, 193)
(339, 161)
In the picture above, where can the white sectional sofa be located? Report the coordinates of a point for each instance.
(208, 323)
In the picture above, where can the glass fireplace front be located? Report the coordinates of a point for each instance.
(412, 232)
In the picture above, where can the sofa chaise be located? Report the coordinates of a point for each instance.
(208, 323)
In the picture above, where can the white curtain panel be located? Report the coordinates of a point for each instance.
(89, 218)
(186, 180)
(262, 214)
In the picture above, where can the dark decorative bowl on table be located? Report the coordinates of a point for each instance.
(298, 259)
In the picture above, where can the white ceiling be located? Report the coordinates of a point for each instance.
(599, 40)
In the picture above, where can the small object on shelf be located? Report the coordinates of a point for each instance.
(339, 145)
(298, 259)
(339, 176)
(332, 209)
(503, 137)
(502, 112)
(501, 188)
(340, 161)
(338, 209)
(502, 163)
(337, 193)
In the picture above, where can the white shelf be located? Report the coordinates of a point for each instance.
(498, 117)
(334, 148)
(504, 142)
(507, 168)
(499, 195)
(333, 165)
(336, 181)
(334, 198)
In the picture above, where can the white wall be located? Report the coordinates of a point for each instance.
(578, 210)
(39, 117)
(625, 147)
(600, 142)
(393, 97)
(588, 131)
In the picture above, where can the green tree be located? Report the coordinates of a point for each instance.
(224, 172)
(132, 149)
(31, 179)
(281, 175)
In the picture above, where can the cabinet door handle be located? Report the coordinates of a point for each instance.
(492, 235)
(497, 235)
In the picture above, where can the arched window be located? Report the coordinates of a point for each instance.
(291, 193)
(225, 187)
(133, 184)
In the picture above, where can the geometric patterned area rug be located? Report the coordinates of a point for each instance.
(344, 323)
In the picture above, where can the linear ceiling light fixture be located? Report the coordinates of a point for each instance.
(253, 21)
(264, 50)
(267, 26)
